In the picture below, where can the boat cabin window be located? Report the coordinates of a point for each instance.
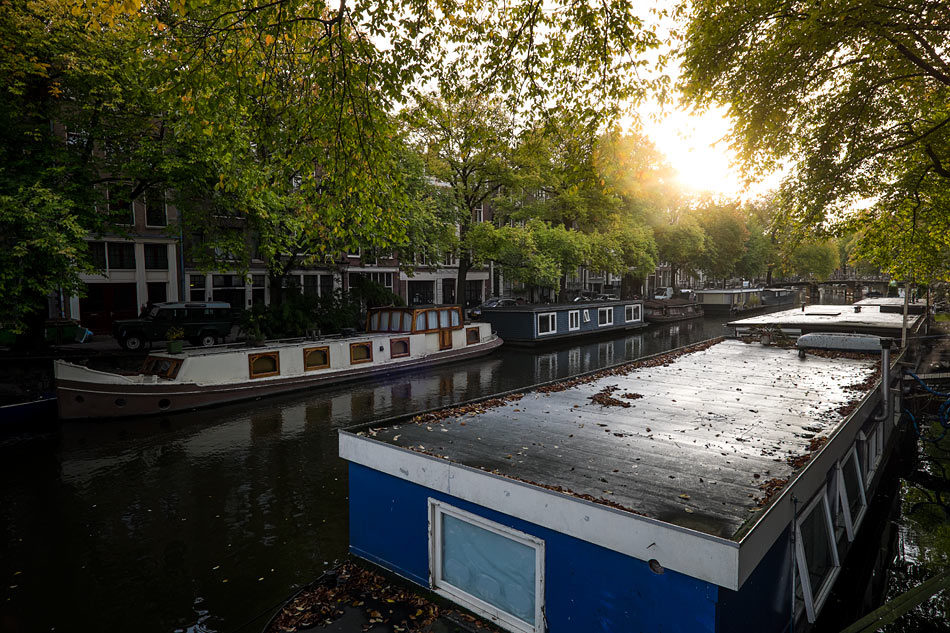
(361, 353)
(432, 319)
(605, 316)
(262, 365)
(547, 323)
(631, 313)
(586, 316)
(816, 553)
(420, 321)
(490, 568)
(456, 319)
(851, 491)
(472, 336)
(316, 358)
(444, 319)
(398, 347)
(161, 367)
(574, 320)
(407, 322)
(374, 322)
(383, 321)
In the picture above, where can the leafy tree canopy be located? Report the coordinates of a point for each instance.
(853, 96)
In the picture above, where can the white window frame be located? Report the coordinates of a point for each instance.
(586, 316)
(552, 321)
(814, 603)
(851, 524)
(634, 309)
(445, 589)
(573, 320)
(608, 311)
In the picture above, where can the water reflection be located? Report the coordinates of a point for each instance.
(203, 521)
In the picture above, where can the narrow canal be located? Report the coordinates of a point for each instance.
(203, 521)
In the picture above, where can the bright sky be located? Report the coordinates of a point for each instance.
(696, 144)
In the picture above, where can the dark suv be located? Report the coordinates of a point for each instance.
(202, 324)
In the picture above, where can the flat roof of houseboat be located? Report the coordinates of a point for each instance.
(838, 318)
(552, 307)
(701, 439)
(894, 302)
(728, 290)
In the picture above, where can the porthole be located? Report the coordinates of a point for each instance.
(164, 403)
(120, 402)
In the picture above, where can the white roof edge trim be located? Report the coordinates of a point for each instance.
(695, 554)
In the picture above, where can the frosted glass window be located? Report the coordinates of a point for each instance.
(406, 322)
(432, 318)
(374, 321)
(455, 318)
(488, 567)
(420, 321)
(444, 318)
(384, 322)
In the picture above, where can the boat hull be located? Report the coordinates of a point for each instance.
(80, 399)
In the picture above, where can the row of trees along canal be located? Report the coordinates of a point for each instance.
(297, 131)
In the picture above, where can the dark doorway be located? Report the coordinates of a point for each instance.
(448, 291)
(106, 303)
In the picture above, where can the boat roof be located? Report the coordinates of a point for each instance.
(701, 438)
(888, 301)
(552, 307)
(836, 316)
(727, 290)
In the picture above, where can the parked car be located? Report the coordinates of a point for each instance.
(607, 297)
(494, 302)
(203, 323)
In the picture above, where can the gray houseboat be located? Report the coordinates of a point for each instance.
(539, 324)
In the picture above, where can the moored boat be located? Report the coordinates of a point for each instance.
(668, 310)
(541, 324)
(396, 339)
(730, 300)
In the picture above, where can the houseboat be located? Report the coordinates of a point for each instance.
(772, 297)
(894, 304)
(704, 489)
(669, 310)
(730, 300)
(852, 319)
(396, 339)
(540, 324)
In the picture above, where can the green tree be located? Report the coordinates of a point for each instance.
(681, 244)
(725, 238)
(853, 96)
(814, 259)
(466, 140)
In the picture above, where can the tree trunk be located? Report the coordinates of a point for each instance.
(768, 276)
(673, 278)
(465, 265)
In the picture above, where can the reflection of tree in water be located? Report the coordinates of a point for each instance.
(924, 547)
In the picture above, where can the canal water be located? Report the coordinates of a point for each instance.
(204, 521)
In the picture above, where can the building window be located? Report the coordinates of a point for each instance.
(97, 253)
(196, 287)
(472, 336)
(480, 213)
(492, 569)
(398, 347)
(605, 316)
(262, 365)
(155, 208)
(361, 353)
(816, 554)
(586, 316)
(574, 320)
(547, 323)
(311, 285)
(631, 313)
(120, 205)
(156, 257)
(316, 358)
(121, 256)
